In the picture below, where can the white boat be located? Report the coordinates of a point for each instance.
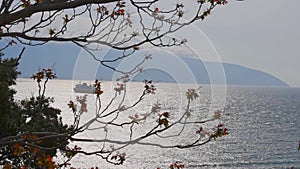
(84, 88)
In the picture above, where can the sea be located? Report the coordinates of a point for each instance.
(263, 124)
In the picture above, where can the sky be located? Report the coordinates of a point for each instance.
(258, 34)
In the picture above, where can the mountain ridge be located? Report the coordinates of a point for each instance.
(162, 67)
(234, 74)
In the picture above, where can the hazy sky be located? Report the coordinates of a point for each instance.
(259, 34)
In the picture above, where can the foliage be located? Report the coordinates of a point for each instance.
(8, 74)
(28, 122)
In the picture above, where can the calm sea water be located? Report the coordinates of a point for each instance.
(264, 126)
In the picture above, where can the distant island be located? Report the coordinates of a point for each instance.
(234, 74)
(162, 68)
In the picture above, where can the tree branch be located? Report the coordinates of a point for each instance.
(40, 7)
